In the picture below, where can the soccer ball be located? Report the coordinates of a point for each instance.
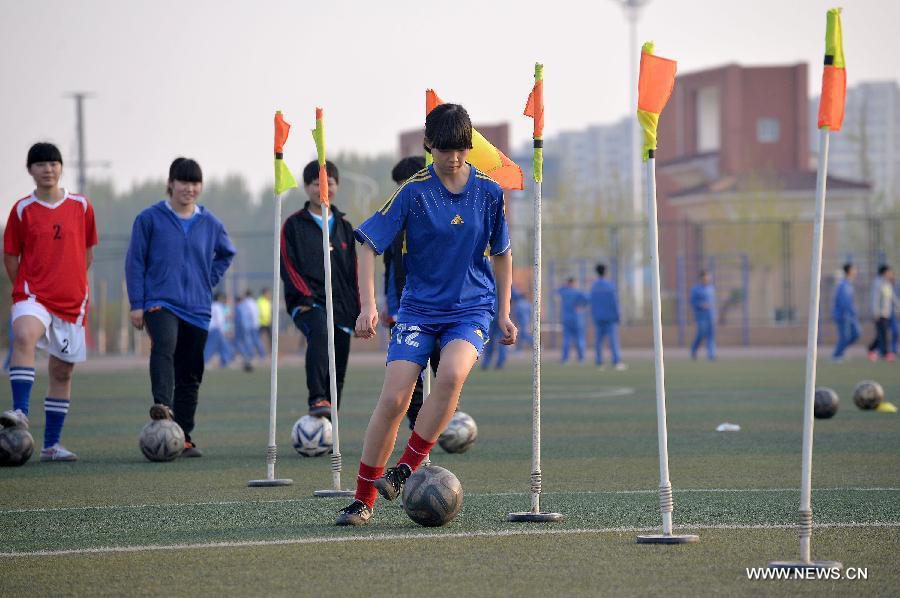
(161, 440)
(16, 446)
(460, 433)
(826, 403)
(868, 394)
(311, 436)
(432, 496)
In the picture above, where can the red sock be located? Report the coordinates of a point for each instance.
(416, 451)
(365, 483)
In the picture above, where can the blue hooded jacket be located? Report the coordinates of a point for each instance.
(168, 267)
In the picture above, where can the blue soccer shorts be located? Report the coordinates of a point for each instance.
(415, 342)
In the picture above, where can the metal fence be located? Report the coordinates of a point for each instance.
(760, 269)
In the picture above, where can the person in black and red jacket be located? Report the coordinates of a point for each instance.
(303, 273)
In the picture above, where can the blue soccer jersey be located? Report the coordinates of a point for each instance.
(448, 238)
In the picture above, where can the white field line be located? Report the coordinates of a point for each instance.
(226, 503)
(420, 536)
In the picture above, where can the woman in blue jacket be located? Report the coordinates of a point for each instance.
(178, 253)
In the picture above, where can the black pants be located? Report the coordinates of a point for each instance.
(176, 364)
(882, 326)
(415, 405)
(314, 326)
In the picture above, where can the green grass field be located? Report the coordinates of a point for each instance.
(127, 526)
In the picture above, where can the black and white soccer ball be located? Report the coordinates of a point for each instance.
(311, 436)
(161, 440)
(868, 394)
(826, 403)
(432, 496)
(460, 434)
(16, 446)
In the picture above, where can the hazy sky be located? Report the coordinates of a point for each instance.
(203, 78)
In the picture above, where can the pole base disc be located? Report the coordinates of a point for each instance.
(333, 493)
(529, 517)
(264, 483)
(793, 565)
(664, 539)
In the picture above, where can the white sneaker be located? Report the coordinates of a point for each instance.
(13, 419)
(58, 452)
(621, 367)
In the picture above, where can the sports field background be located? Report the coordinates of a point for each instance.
(119, 519)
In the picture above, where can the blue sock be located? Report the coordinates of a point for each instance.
(21, 380)
(55, 411)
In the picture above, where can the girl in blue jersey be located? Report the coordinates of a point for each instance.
(453, 221)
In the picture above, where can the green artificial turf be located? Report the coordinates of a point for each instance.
(600, 469)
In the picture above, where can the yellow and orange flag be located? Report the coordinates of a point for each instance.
(319, 137)
(484, 155)
(284, 180)
(657, 79)
(834, 78)
(535, 109)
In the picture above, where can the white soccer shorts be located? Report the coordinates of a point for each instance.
(64, 340)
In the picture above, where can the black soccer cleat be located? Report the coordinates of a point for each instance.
(358, 513)
(391, 483)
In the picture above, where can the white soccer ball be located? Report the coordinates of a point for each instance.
(460, 434)
(161, 440)
(311, 436)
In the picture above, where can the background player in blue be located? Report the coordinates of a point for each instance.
(605, 311)
(490, 348)
(571, 313)
(452, 218)
(844, 314)
(521, 308)
(395, 280)
(703, 302)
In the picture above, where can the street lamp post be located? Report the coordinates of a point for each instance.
(632, 12)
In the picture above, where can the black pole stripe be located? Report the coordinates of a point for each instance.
(829, 59)
(538, 143)
(279, 156)
(651, 153)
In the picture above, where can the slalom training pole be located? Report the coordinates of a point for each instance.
(426, 392)
(535, 109)
(657, 78)
(831, 115)
(319, 137)
(284, 180)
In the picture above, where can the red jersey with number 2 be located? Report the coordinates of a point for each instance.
(51, 241)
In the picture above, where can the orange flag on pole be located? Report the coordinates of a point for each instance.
(657, 79)
(535, 109)
(284, 180)
(484, 155)
(834, 78)
(319, 137)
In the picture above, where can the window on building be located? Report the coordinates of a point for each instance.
(708, 119)
(768, 130)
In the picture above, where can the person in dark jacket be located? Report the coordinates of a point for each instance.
(178, 253)
(395, 280)
(303, 273)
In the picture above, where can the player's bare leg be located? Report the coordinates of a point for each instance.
(457, 360)
(27, 330)
(381, 434)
